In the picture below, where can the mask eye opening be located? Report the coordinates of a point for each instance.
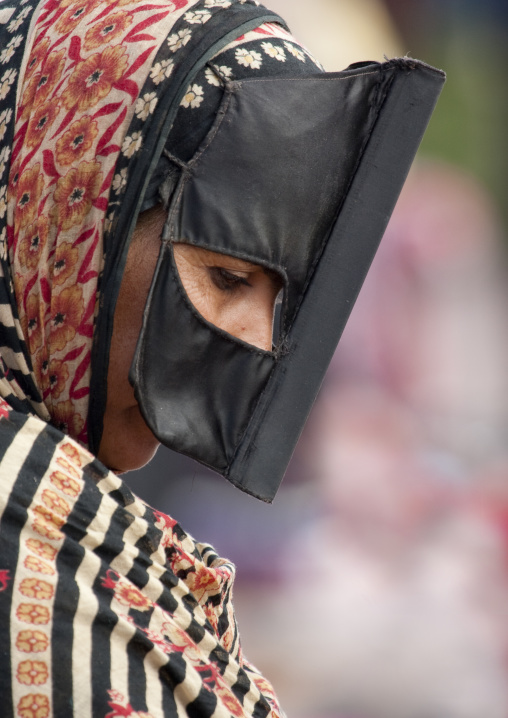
(242, 298)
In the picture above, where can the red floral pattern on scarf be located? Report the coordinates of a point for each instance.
(87, 66)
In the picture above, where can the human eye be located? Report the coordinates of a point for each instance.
(226, 280)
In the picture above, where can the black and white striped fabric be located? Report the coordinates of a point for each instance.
(107, 607)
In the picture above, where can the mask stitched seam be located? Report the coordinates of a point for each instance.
(187, 167)
(221, 114)
(304, 78)
(402, 63)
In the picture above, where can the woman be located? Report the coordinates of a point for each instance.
(107, 606)
(162, 182)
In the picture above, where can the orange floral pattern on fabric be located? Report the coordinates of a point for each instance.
(32, 641)
(76, 141)
(38, 53)
(55, 503)
(34, 705)
(74, 195)
(38, 565)
(33, 322)
(28, 193)
(131, 596)
(36, 588)
(57, 375)
(93, 78)
(32, 673)
(85, 70)
(109, 29)
(40, 122)
(73, 455)
(66, 316)
(34, 592)
(67, 463)
(70, 19)
(65, 483)
(43, 82)
(33, 241)
(41, 549)
(33, 613)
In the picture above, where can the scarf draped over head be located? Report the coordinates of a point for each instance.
(68, 97)
(83, 88)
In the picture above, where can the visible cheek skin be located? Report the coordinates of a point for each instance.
(250, 319)
(201, 294)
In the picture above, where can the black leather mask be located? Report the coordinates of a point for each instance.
(300, 176)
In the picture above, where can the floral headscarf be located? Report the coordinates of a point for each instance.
(85, 86)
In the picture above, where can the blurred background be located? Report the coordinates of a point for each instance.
(377, 584)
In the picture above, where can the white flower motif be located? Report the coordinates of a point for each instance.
(132, 144)
(214, 78)
(9, 75)
(7, 79)
(120, 180)
(6, 54)
(294, 51)
(248, 58)
(4, 156)
(217, 3)
(145, 105)
(5, 118)
(15, 41)
(198, 17)
(193, 97)
(10, 49)
(14, 24)
(179, 39)
(161, 70)
(3, 203)
(25, 12)
(3, 244)
(274, 51)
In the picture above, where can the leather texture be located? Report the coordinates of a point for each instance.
(268, 185)
(270, 179)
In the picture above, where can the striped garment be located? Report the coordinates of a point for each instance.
(107, 607)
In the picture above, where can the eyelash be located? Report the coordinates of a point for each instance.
(227, 281)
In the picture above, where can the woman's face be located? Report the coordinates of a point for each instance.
(233, 294)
